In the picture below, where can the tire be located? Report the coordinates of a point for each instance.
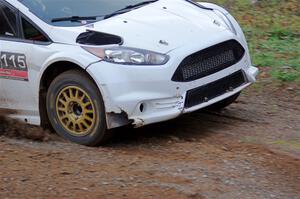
(224, 103)
(75, 109)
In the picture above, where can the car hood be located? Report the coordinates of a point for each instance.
(161, 26)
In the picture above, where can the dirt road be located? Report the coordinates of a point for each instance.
(249, 150)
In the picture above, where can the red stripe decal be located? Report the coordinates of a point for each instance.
(16, 74)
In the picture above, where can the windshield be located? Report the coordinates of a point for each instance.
(84, 11)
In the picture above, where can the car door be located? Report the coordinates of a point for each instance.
(18, 73)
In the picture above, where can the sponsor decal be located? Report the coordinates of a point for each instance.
(13, 66)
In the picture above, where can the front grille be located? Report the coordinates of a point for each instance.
(209, 91)
(209, 61)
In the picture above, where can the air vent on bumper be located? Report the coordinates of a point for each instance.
(209, 91)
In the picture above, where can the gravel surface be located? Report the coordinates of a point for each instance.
(249, 150)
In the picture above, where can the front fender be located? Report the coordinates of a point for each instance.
(70, 53)
(233, 21)
(67, 53)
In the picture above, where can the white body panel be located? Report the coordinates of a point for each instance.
(185, 27)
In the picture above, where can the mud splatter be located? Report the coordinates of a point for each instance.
(15, 129)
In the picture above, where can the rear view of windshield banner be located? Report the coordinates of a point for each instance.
(13, 66)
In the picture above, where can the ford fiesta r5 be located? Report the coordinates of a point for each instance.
(88, 66)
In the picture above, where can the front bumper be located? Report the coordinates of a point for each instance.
(146, 94)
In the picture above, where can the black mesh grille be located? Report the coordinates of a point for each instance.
(209, 61)
(207, 92)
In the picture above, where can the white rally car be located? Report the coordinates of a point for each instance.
(86, 66)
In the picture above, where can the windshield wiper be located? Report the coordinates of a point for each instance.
(75, 18)
(128, 8)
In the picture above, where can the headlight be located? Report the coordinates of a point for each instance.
(128, 56)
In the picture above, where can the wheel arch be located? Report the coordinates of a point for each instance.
(113, 119)
(48, 75)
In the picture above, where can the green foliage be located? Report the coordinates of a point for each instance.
(272, 28)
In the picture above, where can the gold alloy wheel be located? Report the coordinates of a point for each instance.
(75, 111)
